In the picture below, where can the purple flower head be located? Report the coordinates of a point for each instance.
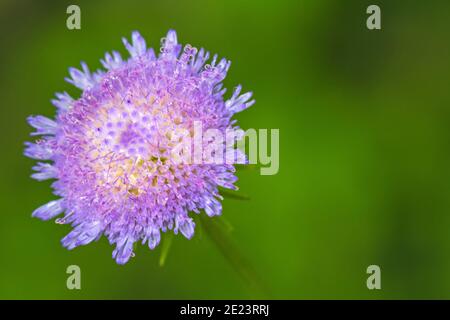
(110, 151)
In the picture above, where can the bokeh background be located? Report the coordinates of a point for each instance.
(364, 123)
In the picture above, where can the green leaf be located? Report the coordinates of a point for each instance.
(219, 234)
(165, 247)
(225, 225)
(233, 195)
(244, 167)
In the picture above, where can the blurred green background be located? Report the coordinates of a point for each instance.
(364, 123)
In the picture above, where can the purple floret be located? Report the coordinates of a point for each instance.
(110, 151)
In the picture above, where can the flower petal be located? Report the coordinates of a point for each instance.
(237, 102)
(153, 236)
(38, 151)
(213, 207)
(44, 171)
(63, 101)
(81, 79)
(43, 125)
(186, 225)
(170, 47)
(49, 210)
(124, 250)
(112, 61)
(138, 46)
(83, 234)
